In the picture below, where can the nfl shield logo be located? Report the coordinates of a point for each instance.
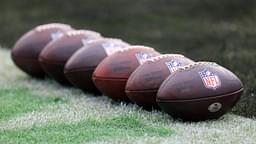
(143, 57)
(210, 79)
(87, 41)
(111, 48)
(173, 65)
(56, 35)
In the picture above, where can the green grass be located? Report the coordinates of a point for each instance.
(19, 100)
(84, 131)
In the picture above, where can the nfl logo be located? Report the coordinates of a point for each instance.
(87, 41)
(56, 35)
(111, 48)
(210, 79)
(143, 57)
(173, 65)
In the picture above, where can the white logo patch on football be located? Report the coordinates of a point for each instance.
(56, 35)
(86, 41)
(210, 79)
(173, 65)
(143, 57)
(111, 47)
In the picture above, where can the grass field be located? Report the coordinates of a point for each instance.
(35, 111)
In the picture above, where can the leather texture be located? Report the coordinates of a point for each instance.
(58, 52)
(144, 82)
(112, 73)
(27, 49)
(185, 95)
(81, 65)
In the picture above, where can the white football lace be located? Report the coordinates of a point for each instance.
(190, 66)
(157, 58)
(134, 47)
(81, 32)
(51, 26)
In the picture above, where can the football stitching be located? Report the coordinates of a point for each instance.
(154, 59)
(81, 32)
(193, 65)
(202, 98)
(157, 58)
(51, 26)
(182, 69)
(134, 47)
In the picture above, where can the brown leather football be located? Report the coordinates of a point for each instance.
(55, 55)
(144, 82)
(111, 74)
(26, 50)
(81, 65)
(199, 91)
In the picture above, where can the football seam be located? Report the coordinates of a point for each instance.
(79, 69)
(164, 83)
(43, 60)
(103, 78)
(133, 74)
(202, 98)
(24, 59)
(142, 91)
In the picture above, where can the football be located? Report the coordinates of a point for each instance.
(112, 73)
(144, 82)
(199, 91)
(26, 50)
(83, 62)
(55, 55)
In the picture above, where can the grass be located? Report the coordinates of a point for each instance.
(18, 100)
(84, 131)
(56, 114)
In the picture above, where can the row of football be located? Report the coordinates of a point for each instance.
(132, 73)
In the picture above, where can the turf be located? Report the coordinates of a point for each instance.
(18, 100)
(84, 131)
(52, 113)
